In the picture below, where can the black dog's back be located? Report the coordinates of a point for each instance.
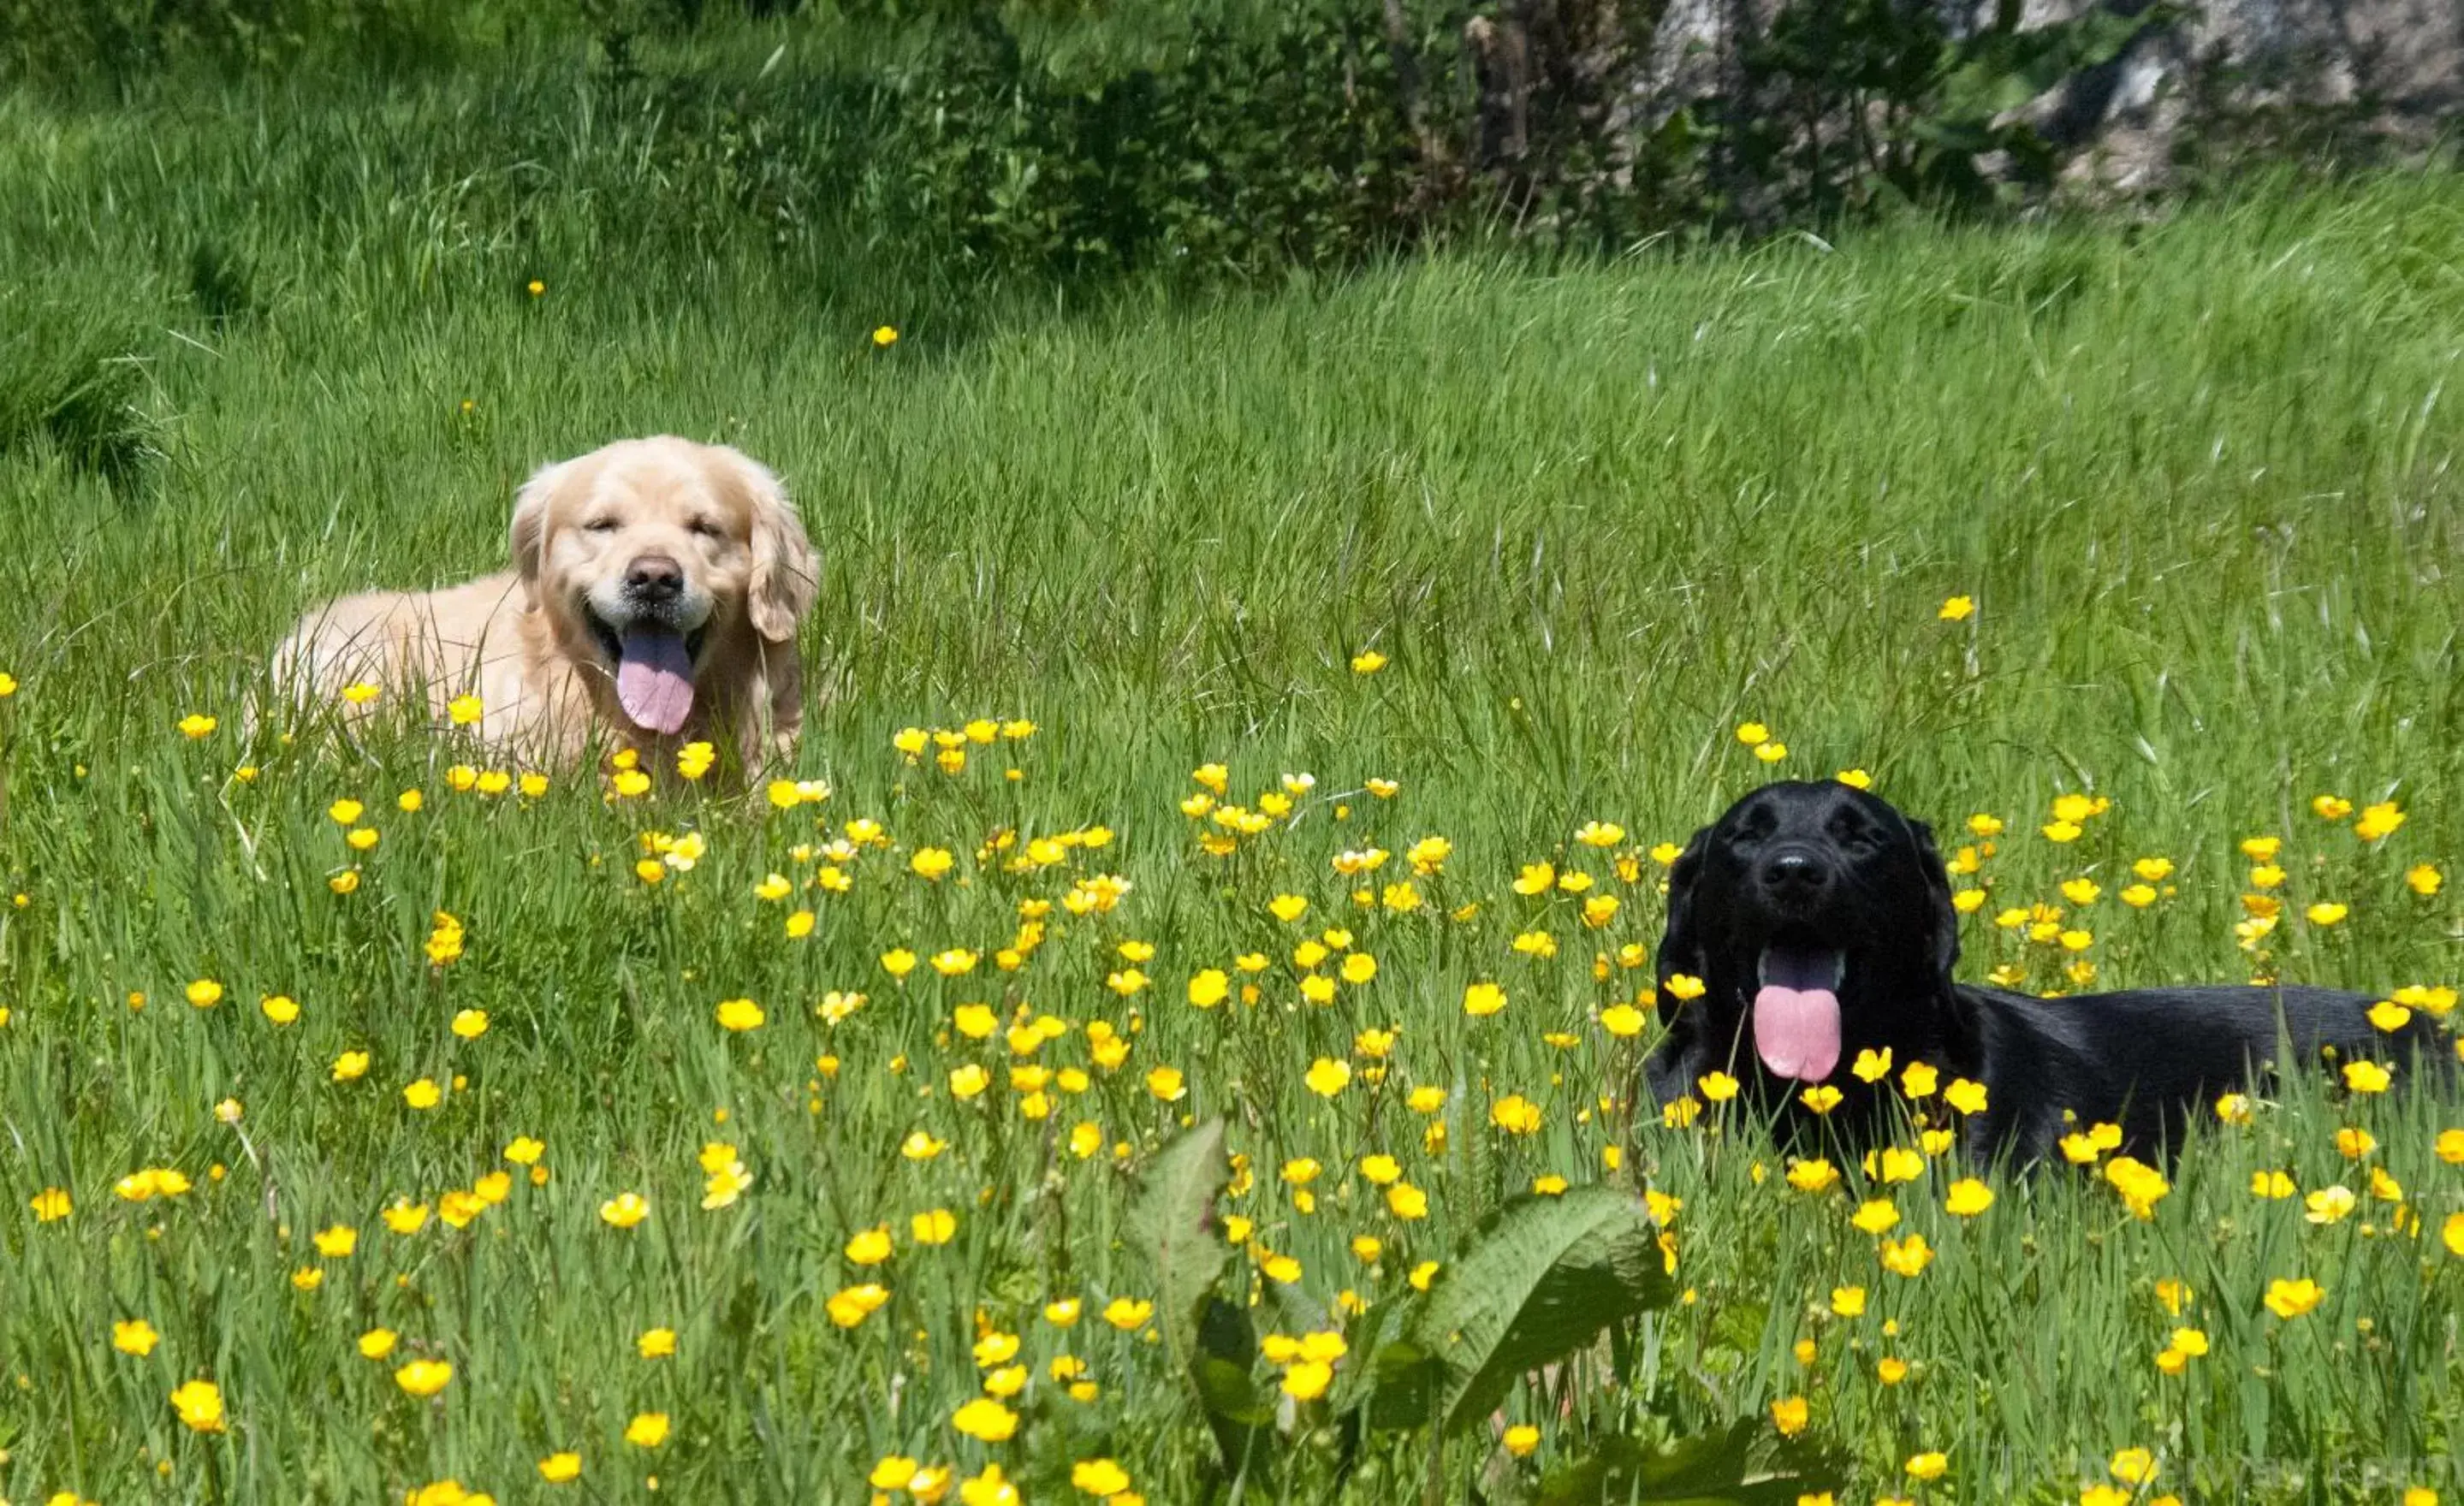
(2150, 1060)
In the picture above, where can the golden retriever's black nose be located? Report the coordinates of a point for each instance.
(1796, 874)
(654, 577)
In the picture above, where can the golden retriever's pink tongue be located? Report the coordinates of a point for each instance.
(1797, 1014)
(654, 679)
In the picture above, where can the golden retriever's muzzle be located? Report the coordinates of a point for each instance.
(652, 633)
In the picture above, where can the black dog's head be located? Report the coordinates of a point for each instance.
(1818, 916)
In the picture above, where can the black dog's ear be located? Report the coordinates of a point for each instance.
(1937, 879)
(1680, 951)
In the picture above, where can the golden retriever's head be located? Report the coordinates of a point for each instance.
(654, 558)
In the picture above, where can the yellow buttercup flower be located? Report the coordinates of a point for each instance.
(647, 1430)
(1815, 1175)
(425, 1377)
(2141, 1185)
(1515, 1114)
(1307, 1380)
(199, 1406)
(2378, 821)
(2289, 1300)
(986, 1420)
(1907, 1257)
(1099, 1477)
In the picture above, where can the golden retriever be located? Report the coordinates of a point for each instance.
(655, 593)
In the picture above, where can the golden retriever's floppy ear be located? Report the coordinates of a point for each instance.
(785, 569)
(530, 525)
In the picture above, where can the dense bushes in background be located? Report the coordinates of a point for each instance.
(1067, 139)
(1319, 133)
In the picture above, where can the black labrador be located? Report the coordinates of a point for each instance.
(1820, 921)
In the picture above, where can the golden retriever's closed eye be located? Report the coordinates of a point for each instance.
(656, 590)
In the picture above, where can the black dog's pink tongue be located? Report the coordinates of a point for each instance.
(654, 678)
(1796, 1013)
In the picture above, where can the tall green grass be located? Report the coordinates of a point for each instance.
(2199, 475)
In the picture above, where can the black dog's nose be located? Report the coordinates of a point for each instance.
(654, 577)
(1795, 873)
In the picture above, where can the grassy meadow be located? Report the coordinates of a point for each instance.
(1298, 624)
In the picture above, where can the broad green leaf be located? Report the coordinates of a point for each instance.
(1536, 1283)
(1209, 1337)
(1742, 1465)
(1173, 1220)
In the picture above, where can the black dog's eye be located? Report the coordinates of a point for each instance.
(1854, 836)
